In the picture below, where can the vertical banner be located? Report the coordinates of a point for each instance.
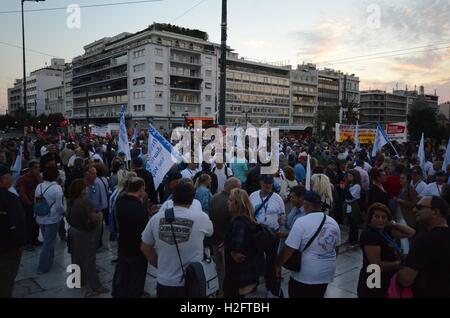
(124, 146)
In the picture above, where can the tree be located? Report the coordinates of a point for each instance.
(422, 119)
(328, 115)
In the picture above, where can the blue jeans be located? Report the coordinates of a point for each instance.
(49, 232)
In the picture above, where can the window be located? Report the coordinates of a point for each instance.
(208, 98)
(139, 81)
(159, 107)
(158, 66)
(208, 60)
(159, 80)
(208, 110)
(139, 53)
(158, 52)
(138, 67)
(158, 93)
(208, 73)
(138, 95)
(208, 85)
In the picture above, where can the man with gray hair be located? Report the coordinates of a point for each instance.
(221, 219)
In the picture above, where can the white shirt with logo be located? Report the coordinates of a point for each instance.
(190, 228)
(319, 260)
(270, 212)
(222, 177)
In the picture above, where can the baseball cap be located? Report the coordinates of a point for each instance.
(266, 178)
(4, 170)
(312, 197)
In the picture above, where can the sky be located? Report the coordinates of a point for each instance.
(384, 42)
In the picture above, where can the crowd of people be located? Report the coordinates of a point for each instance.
(85, 192)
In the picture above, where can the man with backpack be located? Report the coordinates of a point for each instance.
(169, 241)
(317, 237)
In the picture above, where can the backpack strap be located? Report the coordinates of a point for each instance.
(315, 234)
(42, 194)
(169, 215)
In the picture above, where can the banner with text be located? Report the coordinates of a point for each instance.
(347, 133)
(397, 132)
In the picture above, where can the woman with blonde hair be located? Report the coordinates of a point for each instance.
(287, 183)
(241, 274)
(321, 184)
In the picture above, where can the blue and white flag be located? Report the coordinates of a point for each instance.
(161, 156)
(17, 168)
(308, 174)
(447, 157)
(123, 144)
(380, 140)
(421, 153)
(357, 145)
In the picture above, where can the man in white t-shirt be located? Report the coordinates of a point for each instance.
(417, 180)
(268, 208)
(223, 173)
(190, 171)
(190, 226)
(318, 263)
(435, 188)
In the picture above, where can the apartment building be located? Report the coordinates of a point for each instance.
(304, 95)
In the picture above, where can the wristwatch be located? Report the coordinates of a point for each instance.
(393, 222)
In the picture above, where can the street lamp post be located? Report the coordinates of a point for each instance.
(23, 56)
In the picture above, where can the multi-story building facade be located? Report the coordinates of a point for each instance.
(381, 107)
(257, 92)
(15, 97)
(304, 95)
(162, 74)
(68, 94)
(329, 89)
(445, 110)
(37, 83)
(54, 100)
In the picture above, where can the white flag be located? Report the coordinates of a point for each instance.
(308, 174)
(161, 156)
(421, 153)
(123, 144)
(17, 165)
(357, 145)
(380, 140)
(447, 157)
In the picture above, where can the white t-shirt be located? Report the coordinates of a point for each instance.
(419, 187)
(271, 211)
(188, 173)
(196, 205)
(44, 150)
(432, 189)
(222, 177)
(71, 161)
(429, 170)
(190, 227)
(319, 260)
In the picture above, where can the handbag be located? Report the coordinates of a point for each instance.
(200, 278)
(395, 291)
(294, 263)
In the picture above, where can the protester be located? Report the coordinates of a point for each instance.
(318, 262)
(202, 192)
(353, 205)
(52, 192)
(407, 200)
(241, 274)
(379, 247)
(95, 197)
(83, 220)
(222, 173)
(189, 227)
(377, 193)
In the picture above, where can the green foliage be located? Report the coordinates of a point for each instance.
(21, 119)
(329, 115)
(422, 119)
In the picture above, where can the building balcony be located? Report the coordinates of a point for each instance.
(100, 69)
(294, 92)
(300, 114)
(99, 93)
(104, 80)
(302, 103)
(182, 89)
(184, 75)
(185, 61)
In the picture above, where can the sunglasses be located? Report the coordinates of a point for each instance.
(421, 207)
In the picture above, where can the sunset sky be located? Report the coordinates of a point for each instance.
(409, 44)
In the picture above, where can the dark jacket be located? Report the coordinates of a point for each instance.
(253, 180)
(12, 222)
(149, 184)
(220, 216)
(45, 159)
(76, 174)
(131, 219)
